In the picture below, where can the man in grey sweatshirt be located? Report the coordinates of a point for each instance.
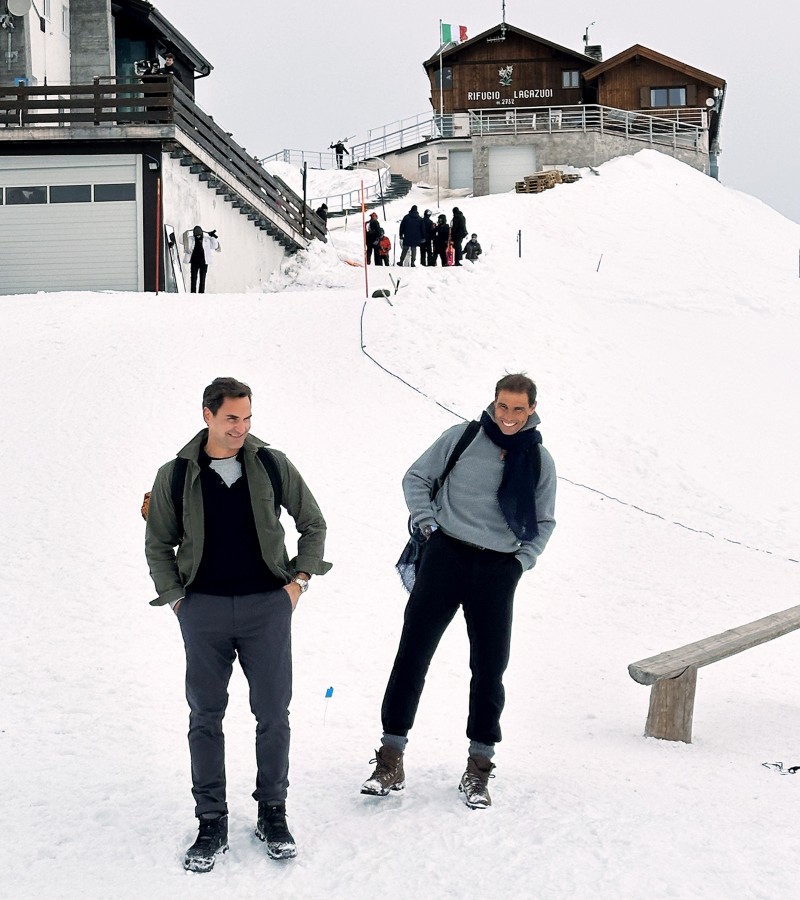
(488, 523)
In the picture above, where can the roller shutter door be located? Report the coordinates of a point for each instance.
(508, 165)
(461, 169)
(70, 223)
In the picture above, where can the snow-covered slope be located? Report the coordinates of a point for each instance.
(668, 383)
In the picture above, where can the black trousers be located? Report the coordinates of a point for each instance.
(483, 583)
(258, 629)
(194, 269)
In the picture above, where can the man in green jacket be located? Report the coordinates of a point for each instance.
(233, 588)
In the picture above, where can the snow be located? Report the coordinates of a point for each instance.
(668, 384)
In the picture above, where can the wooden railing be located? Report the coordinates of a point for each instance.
(155, 101)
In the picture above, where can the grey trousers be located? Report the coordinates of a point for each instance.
(257, 628)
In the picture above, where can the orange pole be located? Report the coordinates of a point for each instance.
(364, 238)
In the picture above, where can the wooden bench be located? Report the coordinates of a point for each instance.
(673, 675)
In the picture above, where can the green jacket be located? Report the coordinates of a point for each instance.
(171, 572)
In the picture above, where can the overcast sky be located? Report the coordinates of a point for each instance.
(291, 75)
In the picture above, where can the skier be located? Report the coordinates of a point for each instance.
(426, 251)
(488, 524)
(198, 256)
(340, 149)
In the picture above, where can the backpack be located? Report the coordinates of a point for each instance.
(179, 479)
(384, 245)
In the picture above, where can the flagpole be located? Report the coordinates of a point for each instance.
(441, 82)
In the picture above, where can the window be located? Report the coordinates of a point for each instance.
(666, 97)
(105, 193)
(447, 77)
(71, 193)
(423, 159)
(570, 78)
(21, 195)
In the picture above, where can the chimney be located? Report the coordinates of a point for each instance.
(91, 40)
(595, 51)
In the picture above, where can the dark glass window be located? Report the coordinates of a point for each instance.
(26, 195)
(423, 159)
(447, 77)
(664, 97)
(104, 193)
(570, 78)
(71, 193)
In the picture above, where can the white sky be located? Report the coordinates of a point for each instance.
(301, 75)
(667, 379)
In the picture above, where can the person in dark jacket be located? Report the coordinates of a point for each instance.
(339, 149)
(322, 212)
(426, 250)
(169, 67)
(473, 249)
(372, 237)
(458, 232)
(233, 589)
(441, 238)
(412, 234)
(199, 257)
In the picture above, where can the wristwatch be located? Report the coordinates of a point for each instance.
(302, 582)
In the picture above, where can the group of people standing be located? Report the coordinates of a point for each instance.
(482, 498)
(436, 240)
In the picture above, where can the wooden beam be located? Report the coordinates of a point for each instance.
(672, 707)
(671, 664)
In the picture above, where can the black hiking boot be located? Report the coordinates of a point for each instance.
(271, 827)
(475, 782)
(388, 774)
(212, 838)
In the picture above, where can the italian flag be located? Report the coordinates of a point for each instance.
(453, 34)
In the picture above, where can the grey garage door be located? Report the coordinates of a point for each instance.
(460, 169)
(70, 223)
(508, 165)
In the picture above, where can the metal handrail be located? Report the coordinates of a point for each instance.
(678, 127)
(158, 102)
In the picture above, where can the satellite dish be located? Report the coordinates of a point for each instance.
(19, 7)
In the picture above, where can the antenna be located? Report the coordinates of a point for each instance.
(502, 35)
(586, 34)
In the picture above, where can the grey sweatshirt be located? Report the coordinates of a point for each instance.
(466, 507)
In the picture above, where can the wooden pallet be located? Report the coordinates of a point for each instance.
(538, 182)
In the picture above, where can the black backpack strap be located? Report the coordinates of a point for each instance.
(176, 489)
(270, 464)
(467, 437)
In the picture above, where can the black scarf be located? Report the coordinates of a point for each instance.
(517, 492)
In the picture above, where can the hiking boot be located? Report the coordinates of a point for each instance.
(212, 838)
(271, 827)
(388, 774)
(475, 782)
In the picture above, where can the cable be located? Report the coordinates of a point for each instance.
(577, 484)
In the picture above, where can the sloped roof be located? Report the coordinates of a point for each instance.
(150, 18)
(453, 48)
(668, 61)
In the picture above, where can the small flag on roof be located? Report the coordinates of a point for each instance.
(453, 34)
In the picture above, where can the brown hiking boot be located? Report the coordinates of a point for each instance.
(475, 782)
(388, 774)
